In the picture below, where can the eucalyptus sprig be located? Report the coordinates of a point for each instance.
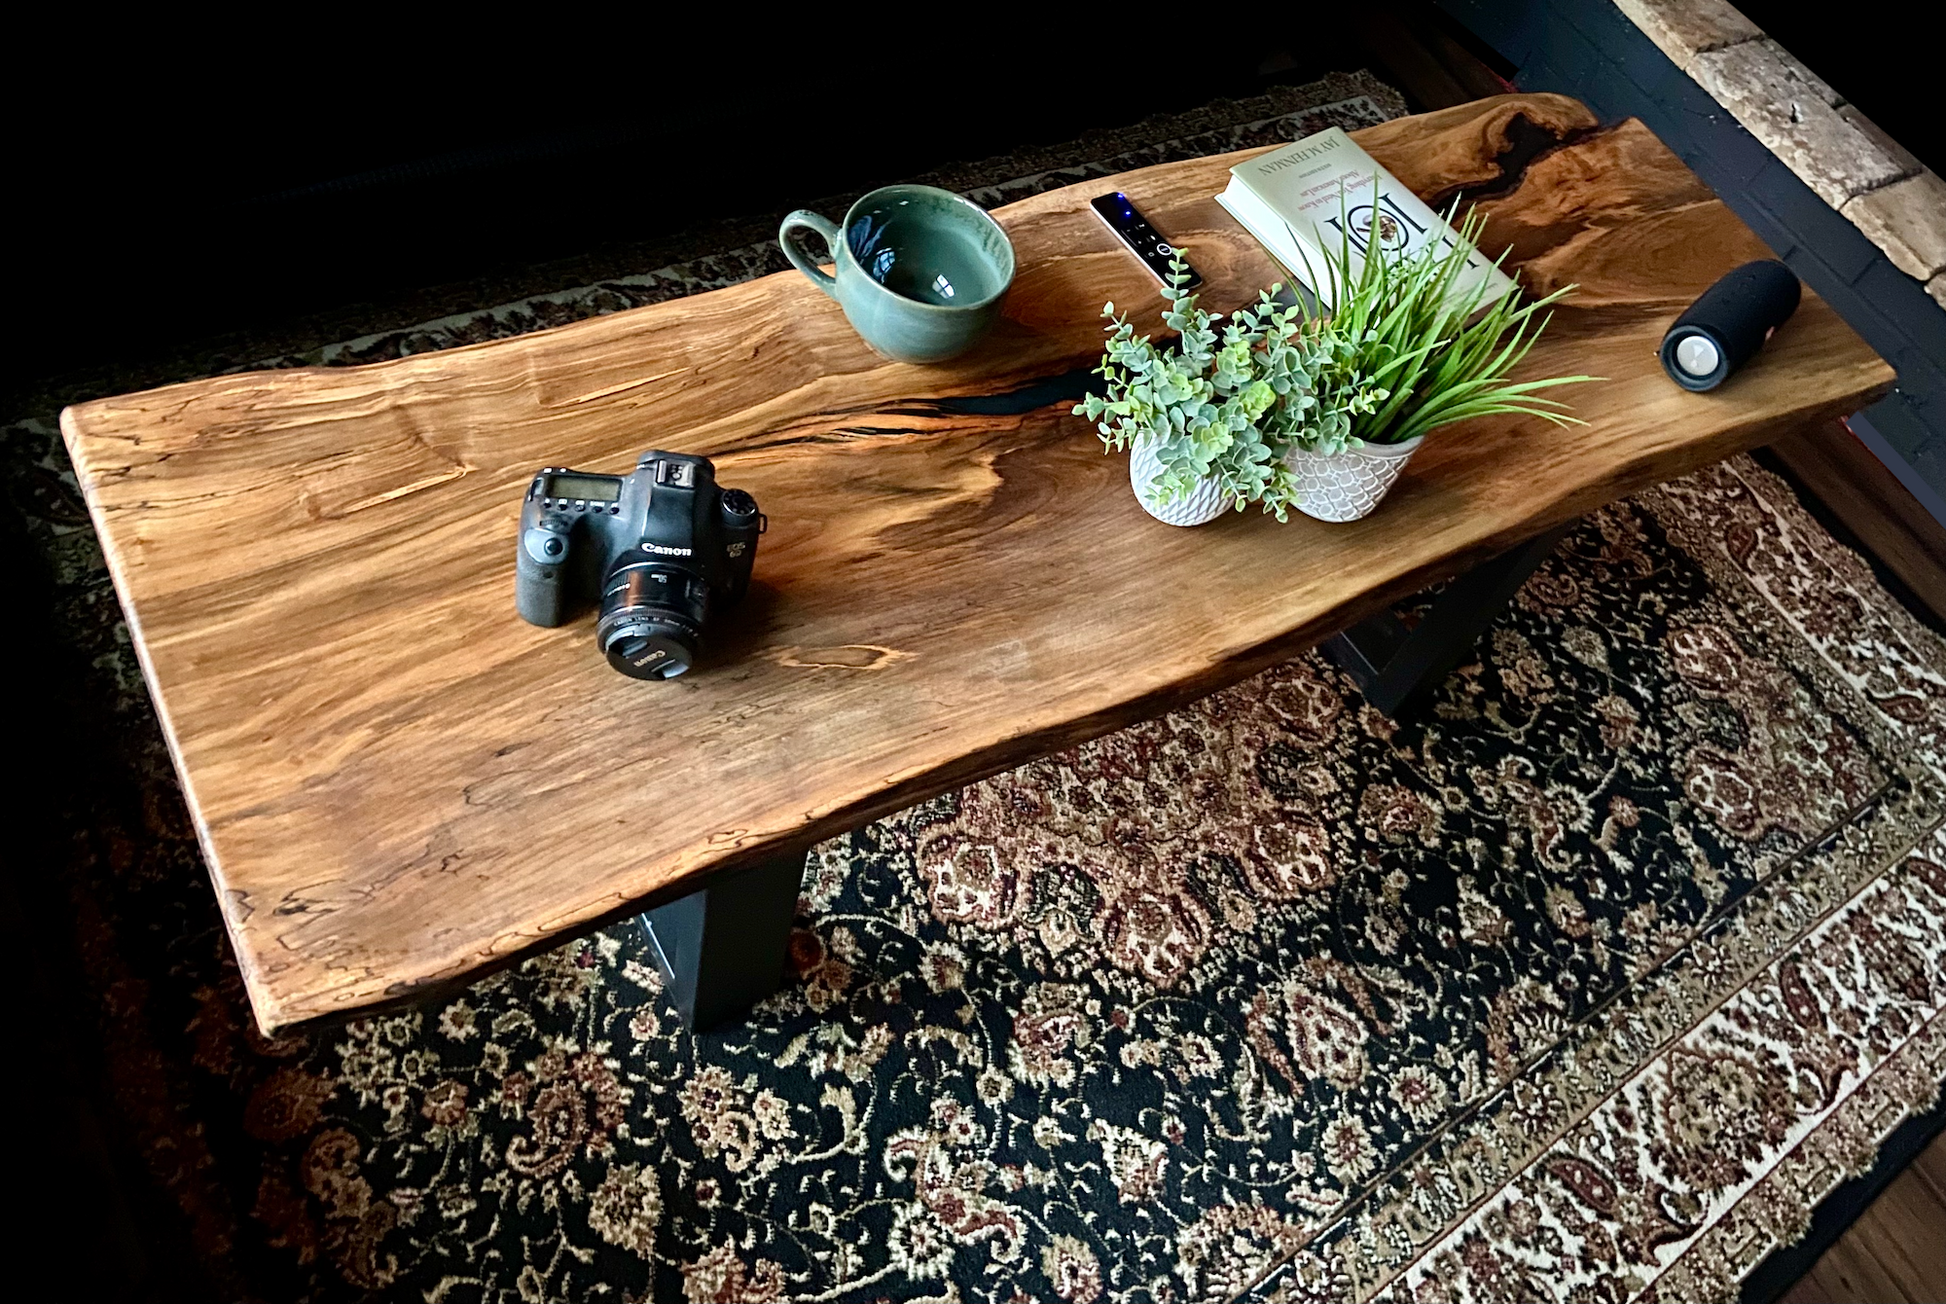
(1442, 354)
(1227, 403)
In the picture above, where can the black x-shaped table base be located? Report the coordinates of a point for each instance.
(1398, 668)
(722, 948)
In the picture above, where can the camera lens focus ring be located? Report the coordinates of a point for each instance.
(652, 619)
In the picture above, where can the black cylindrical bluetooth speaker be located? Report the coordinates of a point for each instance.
(1725, 328)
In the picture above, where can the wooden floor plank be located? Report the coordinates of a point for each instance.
(1847, 1272)
(1896, 1250)
(1869, 501)
(1930, 1166)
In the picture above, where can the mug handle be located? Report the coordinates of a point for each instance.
(826, 231)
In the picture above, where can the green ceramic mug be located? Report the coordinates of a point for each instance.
(920, 271)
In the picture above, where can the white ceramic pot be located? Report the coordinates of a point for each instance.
(1345, 486)
(1200, 506)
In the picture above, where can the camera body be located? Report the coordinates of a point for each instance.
(662, 549)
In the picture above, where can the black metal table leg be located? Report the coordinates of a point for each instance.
(722, 948)
(1397, 667)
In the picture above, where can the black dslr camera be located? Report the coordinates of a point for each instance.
(664, 549)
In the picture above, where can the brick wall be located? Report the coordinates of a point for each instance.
(1589, 49)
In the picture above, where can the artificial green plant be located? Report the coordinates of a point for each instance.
(1228, 403)
(1440, 356)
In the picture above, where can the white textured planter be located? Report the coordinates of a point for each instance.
(1345, 486)
(1200, 506)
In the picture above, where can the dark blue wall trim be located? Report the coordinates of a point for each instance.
(1590, 50)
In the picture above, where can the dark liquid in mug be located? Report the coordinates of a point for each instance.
(919, 255)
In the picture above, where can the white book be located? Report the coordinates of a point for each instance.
(1304, 198)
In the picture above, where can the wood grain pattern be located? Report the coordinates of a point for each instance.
(398, 783)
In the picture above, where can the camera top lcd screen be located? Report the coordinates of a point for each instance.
(594, 488)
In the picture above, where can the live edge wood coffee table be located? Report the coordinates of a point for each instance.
(398, 784)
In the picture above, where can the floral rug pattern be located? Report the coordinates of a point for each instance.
(1589, 981)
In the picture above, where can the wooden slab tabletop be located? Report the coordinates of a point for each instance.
(398, 783)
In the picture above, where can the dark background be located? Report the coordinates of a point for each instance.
(171, 184)
(166, 193)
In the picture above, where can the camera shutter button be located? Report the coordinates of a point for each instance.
(548, 547)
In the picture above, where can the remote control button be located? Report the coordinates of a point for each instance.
(1696, 355)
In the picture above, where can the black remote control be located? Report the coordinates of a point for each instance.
(1142, 239)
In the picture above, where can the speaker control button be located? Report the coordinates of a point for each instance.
(1696, 355)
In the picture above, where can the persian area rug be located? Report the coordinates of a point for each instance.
(1589, 982)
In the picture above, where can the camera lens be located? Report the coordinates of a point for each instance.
(652, 619)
